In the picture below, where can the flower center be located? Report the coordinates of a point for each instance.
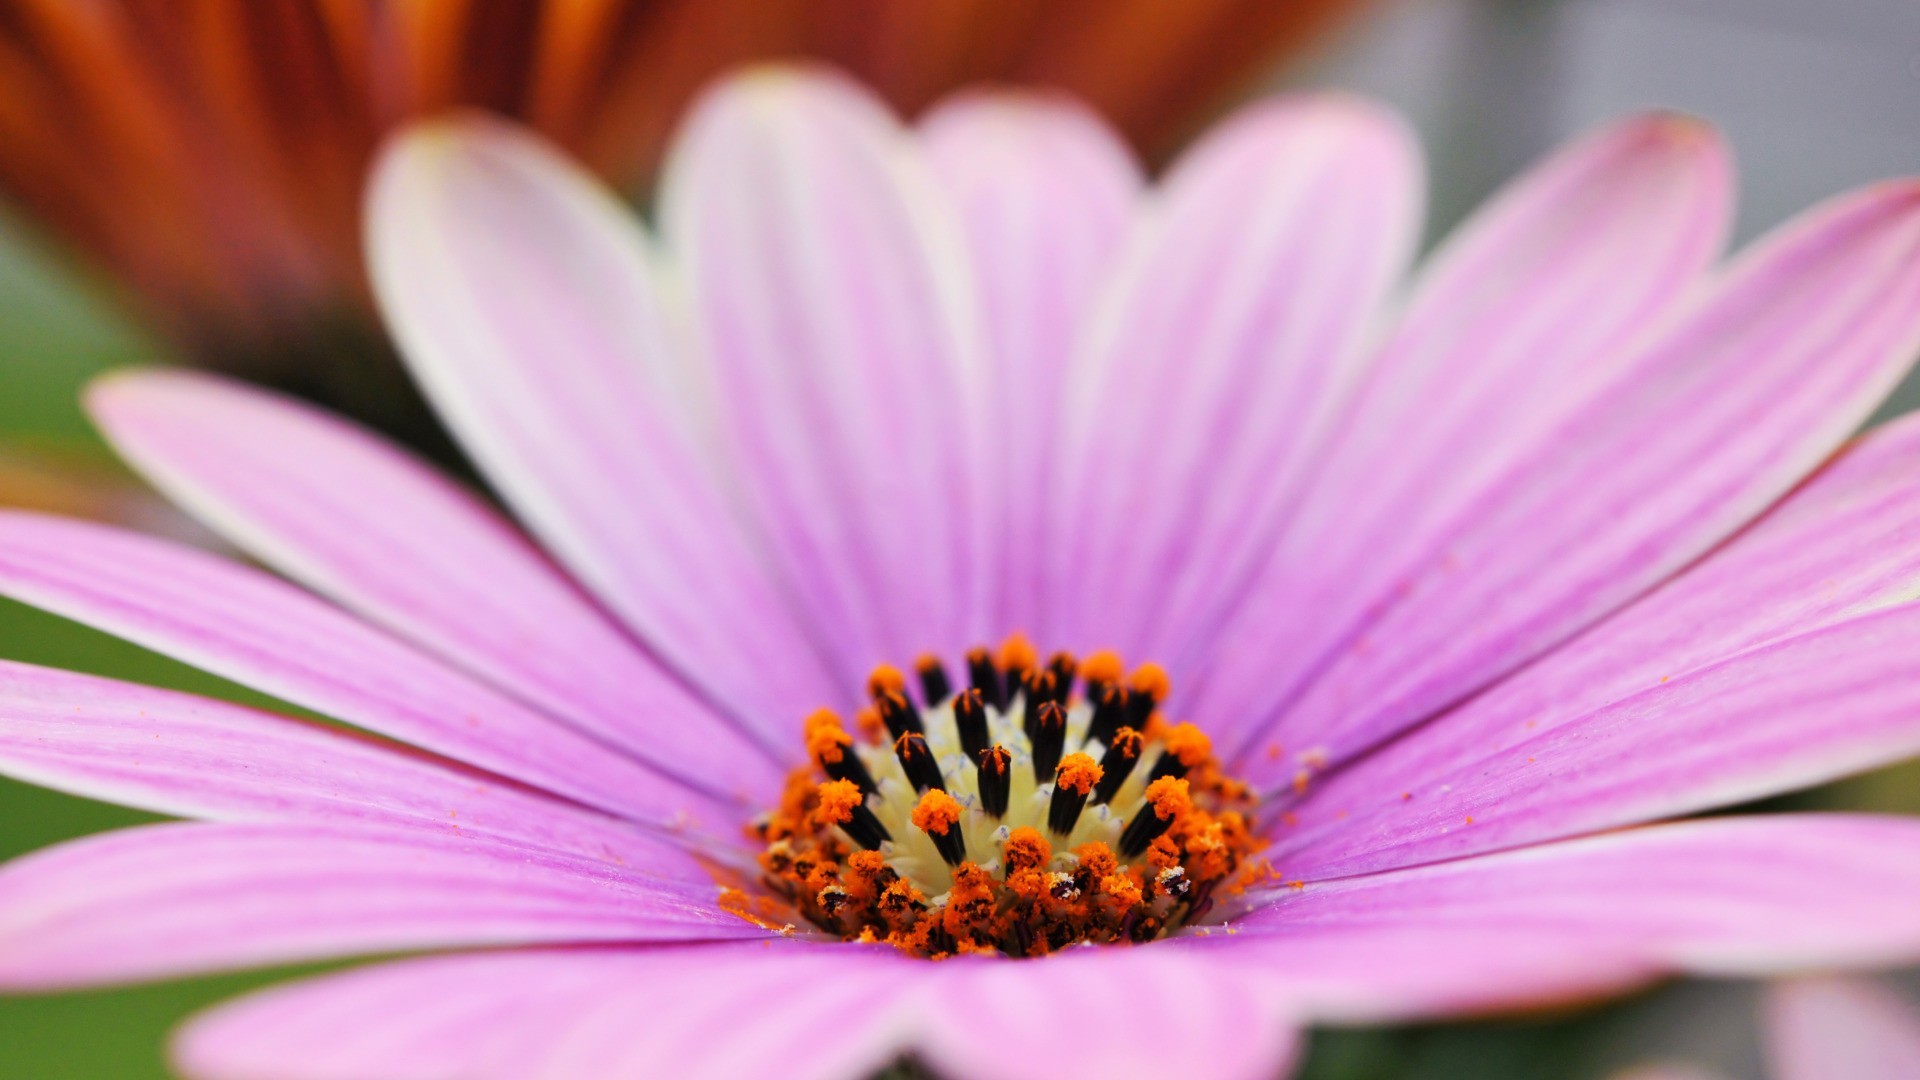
(1013, 816)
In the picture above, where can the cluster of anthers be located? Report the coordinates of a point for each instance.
(1014, 816)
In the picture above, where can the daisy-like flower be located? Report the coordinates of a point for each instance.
(939, 545)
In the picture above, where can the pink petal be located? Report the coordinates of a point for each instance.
(1406, 972)
(1668, 1072)
(159, 901)
(1841, 1029)
(257, 630)
(1742, 896)
(1521, 317)
(1219, 361)
(194, 757)
(526, 302)
(791, 1009)
(1045, 192)
(842, 340)
(1838, 550)
(1103, 1012)
(1789, 715)
(718, 1010)
(1733, 405)
(362, 522)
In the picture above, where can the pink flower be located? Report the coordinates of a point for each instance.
(1569, 543)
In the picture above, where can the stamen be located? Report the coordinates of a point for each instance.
(1123, 753)
(984, 677)
(1187, 746)
(1063, 667)
(830, 745)
(934, 684)
(1073, 781)
(1109, 711)
(1025, 849)
(1036, 691)
(938, 816)
(1151, 679)
(970, 721)
(898, 713)
(1146, 690)
(1017, 657)
(885, 677)
(995, 780)
(842, 804)
(1049, 741)
(1167, 797)
(917, 759)
(1101, 669)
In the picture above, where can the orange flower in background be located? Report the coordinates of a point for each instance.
(210, 154)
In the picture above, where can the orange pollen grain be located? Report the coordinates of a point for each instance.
(886, 677)
(937, 813)
(1169, 796)
(837, 800)
(827, 740)
(1102, 667)
(1025, 849)
(1123, 889)
(1097, 858)
(1189, 744)
(1017, 653)
(1151, 679)
(1077, 773)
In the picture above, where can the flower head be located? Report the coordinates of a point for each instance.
(1384, 614)
(211, 156)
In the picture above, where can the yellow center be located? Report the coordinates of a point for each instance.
(1011, 815)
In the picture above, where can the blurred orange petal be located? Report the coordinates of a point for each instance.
(210, 153)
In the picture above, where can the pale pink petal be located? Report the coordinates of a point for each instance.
(1219, 360)
(1735, 896)
(1521, 316)
(1789, 715)
(524, 299)
(360, 521)
(257, 630)
(1723, 414)
(837, 317)
(718, 1010)
(1657, 674)
(1405, 972)
(783, 1009)
(1045, 192)
(195, 757)
(1103, 1012)
(160, 901)
(1841, 1029)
